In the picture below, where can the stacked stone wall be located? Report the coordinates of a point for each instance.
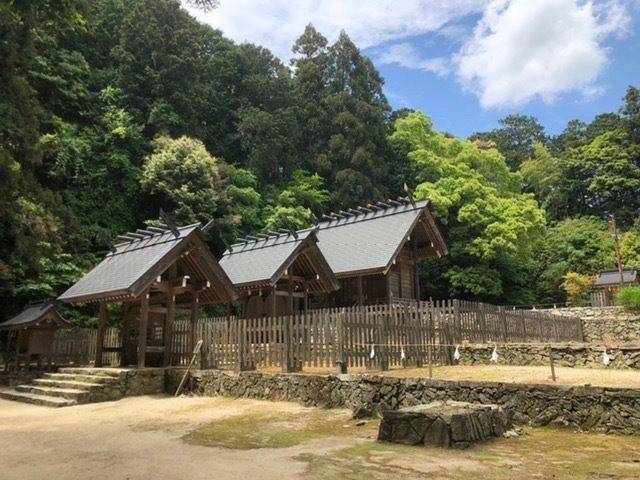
(610, 410)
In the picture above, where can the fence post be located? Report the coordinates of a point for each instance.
(341, 362)
(503, 322)
(240, 340)
(384, 340)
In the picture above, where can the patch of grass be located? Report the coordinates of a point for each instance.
(278, 430)
(541, 453)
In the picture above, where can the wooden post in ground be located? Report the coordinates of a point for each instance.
(18, 340)
(142, 335)
(169, 317)
(7, 350)
(430, 359)
(125, 335)
(341, 362)
(551, 364)
(102, 323)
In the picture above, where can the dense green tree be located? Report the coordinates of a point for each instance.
(299, 204)
(581, 245)
(603, 177)
(543, 175)
(180, 176)
(515, 139)
(343, 113)
(492, 226)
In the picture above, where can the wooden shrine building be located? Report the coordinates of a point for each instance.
(608, 282)
(31, 333)
(374, 251)
(156, 274)
(275, 273)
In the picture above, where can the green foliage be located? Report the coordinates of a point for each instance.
(577, 287)
(493, 227)
(109, 109)
(515, 139)
(182, 177)
(629, 297)
(581, 245)
(630, 249)
(298, 203)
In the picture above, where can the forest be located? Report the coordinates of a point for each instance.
(113, 110)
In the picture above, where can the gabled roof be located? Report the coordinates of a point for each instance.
(135, 265)
(35, 313)
(263, 261)
(612, 277)
(368, 240)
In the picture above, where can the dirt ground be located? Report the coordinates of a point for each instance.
(218, 438)
(602, 377)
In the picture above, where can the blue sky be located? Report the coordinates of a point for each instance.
(467, 63)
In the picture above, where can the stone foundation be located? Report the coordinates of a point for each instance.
(564, 355)
(444, 424)
(609, 410)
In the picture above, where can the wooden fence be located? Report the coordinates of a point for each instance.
(377, 336)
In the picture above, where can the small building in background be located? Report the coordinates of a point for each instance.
(374, 251)
(30, 334)
(275, 273)
(607, 284)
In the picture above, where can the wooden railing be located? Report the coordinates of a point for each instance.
(376, 336)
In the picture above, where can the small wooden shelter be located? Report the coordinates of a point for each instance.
(156, 274)
(275, 273)
(374, 251)
(31, 333)
(608, 282)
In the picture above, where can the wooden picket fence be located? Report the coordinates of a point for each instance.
(377, 336)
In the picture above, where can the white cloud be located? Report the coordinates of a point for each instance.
(407, 56)
(522, 49)
(276, 24)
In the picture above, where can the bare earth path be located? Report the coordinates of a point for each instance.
(217, 438)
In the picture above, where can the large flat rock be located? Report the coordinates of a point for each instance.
(444, 424)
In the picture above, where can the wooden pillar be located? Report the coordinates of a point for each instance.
(387, 277)
(125, 358)
(360, 293)
(7, 350)
(306, 296)
(170, 316)
(102, 323)
(416, 272)
(142, 336)
(168, 327)
(273, 301)
(18, 341)
(290, 298)
(193, 321)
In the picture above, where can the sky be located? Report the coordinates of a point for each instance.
(468, 63)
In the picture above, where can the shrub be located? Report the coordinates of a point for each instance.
(577, 287)
(629, 297)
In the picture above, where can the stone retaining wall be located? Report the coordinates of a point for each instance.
(564, 355)
(131, 382)
(606, 324)
(611, 410)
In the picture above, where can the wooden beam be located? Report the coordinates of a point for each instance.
(142, 337)
(102, 323)
(168, 327)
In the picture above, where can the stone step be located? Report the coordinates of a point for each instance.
(73, 384)
(99, 379)
(35, 399)
(79, 396)
(111, 372)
